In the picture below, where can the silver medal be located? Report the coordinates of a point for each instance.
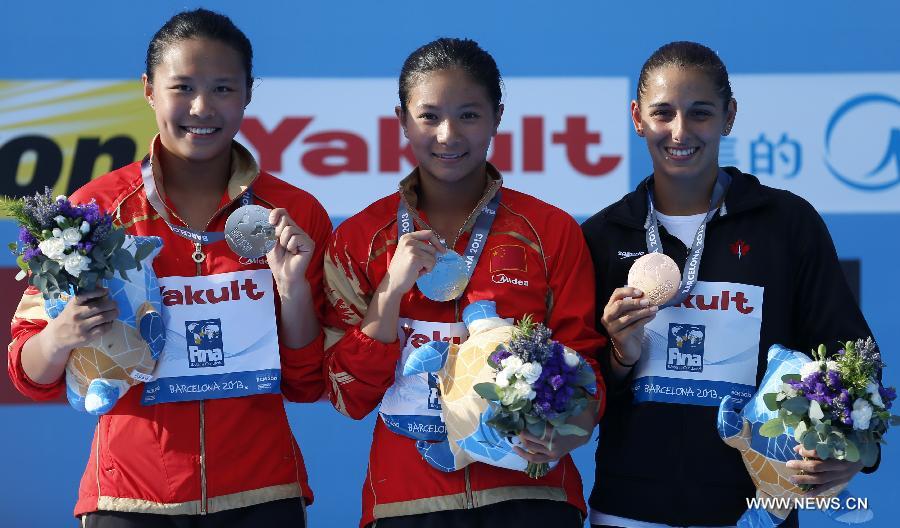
(447, 280)
(248, 231)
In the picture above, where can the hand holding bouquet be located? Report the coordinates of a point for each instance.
(67, 249)
(538, 383)
(835, 406)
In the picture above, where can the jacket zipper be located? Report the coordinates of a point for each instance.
(470, 500)
(199, 257)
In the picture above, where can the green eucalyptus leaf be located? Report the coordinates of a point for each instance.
(570, 429)
(20, 261)
(851, 452)
(537, 428)
(792, 420)
(824, 451)
(791, 377)
(488, 391)
(771, 400)
(810, 439)
(772, 428)
(797, 405)
(868, 453)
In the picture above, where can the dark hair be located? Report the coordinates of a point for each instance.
(449, 53)
(200, 24)
(684, 54)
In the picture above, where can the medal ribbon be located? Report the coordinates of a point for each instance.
(479, 235)
(197, 237)
(692, 265)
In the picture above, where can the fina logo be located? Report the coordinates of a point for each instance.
(873, 163)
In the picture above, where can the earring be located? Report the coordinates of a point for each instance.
(727, 130)
(640, 132)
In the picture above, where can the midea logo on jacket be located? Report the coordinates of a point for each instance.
(231, 292)
(503, 278)
(873, 163)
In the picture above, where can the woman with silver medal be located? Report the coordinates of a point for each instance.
(206, 442)
(400, 273)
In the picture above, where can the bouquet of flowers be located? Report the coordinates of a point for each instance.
(67, 248)
(537, 382)
(836, 406)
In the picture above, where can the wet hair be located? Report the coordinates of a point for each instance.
(200, 24)
(450, 53)
(685, 55)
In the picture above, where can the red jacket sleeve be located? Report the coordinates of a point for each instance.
(301, 368)
(359, 369)
(571, 315)
(29, 319)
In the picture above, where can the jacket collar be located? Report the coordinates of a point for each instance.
(244, 172)
(743, 194)
(409, 186)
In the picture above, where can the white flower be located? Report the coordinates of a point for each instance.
(861, 414)
(832, 365)
(808, 368)
(71, 236)
(513, 362)
(61, 197)
(59, 219)
(57, 232)
(572, 359)
(53, 248)
(85, 227)
(524, 391)
(874, 395)
(508, 396)
(530, 372)
(815, 412)
(76, 263)
(502, 378)
(788, 391)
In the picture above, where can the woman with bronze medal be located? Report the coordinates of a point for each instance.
(206, 441)
(400, 273)
(753, 266)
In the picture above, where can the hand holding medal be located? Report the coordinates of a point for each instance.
(253, 231)
(416, 256)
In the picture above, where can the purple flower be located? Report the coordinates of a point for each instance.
(26, 238)
(31, 253)
(888, 395)
(557, 381)
(499, 355)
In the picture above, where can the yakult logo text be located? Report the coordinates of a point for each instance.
(415, 339)
(333, 152)
(723, 301)
(231, 292)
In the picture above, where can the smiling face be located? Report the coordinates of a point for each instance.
(449, 120)
(199, 91)
(682, 117)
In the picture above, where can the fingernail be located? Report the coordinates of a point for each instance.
(638, 292)
(654, 309)
(644, 302)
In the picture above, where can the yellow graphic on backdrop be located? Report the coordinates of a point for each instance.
(63, 133)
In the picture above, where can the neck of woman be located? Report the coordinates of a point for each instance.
(449, 204)
(196, 178)
(683, 196)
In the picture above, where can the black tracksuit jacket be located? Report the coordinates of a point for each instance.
(665, 463)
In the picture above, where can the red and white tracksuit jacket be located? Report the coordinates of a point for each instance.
(201, 456)
(535, 261)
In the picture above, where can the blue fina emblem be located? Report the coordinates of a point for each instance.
(685, 350)
(204, 343)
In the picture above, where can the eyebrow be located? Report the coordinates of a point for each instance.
(426, 106)
(189, 78)
(696, 103)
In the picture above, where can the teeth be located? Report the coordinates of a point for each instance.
(200, 131)
(682, 152)
(449, 156)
